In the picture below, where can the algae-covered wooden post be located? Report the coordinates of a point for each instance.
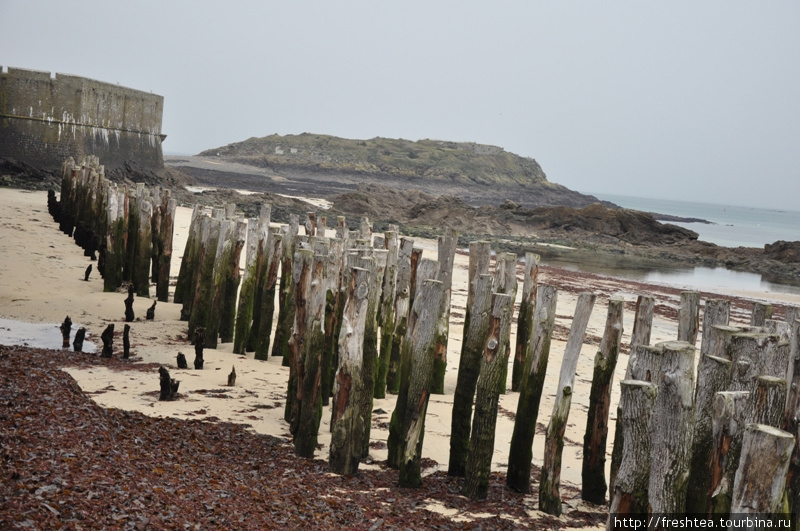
(188, 269)
(253, 301)
(387, 312)
(266, 305)
(167, 228)
(593, 477)
(550, 483)
(761, 312)
(629, 496)
(334, 307)
(728, 422)
(427, 309)
(493, 360)
(283, 329)
(401, 306)
(525, 317)
(196, 311)
(226, 281)
(536, 356)
(758, 487)
(640, 335)
(671, 429)
(447, 253)
(377, 265)
(244, 313)
(210, 305)
(347, 422)
(689, 317)
(505, 281)
(476, 335)
(141, 275)
(301, 277)
(309, 369)
(427, 270)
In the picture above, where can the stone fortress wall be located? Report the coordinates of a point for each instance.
(46, 118)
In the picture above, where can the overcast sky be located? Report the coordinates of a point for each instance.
(674, 99)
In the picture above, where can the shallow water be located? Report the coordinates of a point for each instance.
(38, 335)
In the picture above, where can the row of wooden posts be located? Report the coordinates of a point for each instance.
(361, 315)
(128, 231)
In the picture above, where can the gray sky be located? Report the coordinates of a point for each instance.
(672, 99)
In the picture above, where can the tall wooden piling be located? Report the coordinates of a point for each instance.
(728, 422)
(447, 253)
(386, 313)
(301, 277)
(689, 317)
(525, 317)
(280, 345)
(505, 281)
(536, 357)
(401, 307)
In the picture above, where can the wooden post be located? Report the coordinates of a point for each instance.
(791, 415)
(377, 265)
(427, 269)
(761, 312)
(550, 483)
(505, 281)
(200, 307)
(187, 271)
(226, 282)
(347, 422)
(181, 361)
(301, 276)
(387, 313)
(107, 337)
(311, 224)
(280, 345)
(593, 477)
(262, 330)
(536, 355)
(755, 353)
(423, 331)
(728, 418)
(169, 386)
(758, 487)
(210, 306)
(129, 314)
(365, 229)
(309, 368)
(447, 252)
(767, 401)
(199, 344)
(689, 317)
(126, 341)
(525, 317)
(66, 329)
(80, 335)
(630, 493)
(671, 429)
(232, 377)
(247, 295)
(493, 360)
(167, 228)
(401, 307)
(334, 308)
(141, 270)
(476, 335)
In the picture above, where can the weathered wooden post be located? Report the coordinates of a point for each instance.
(309, 368)
(334, 308)
(476, 335)
(301, 277)
(767, 401)
(630, 494)
(129, 314)
(188, 269)
(167, 228)
(365, 229)
(107, 337)
(180, 360)
(493, 360)
(761, 312)
(689, 317)
(199, 345)
(427, 270)
(347, 423)
(423, 331)
(536, 356)
(280, 345)
(66, 329)
(200, 307)
(376, 264)
(311, 224)
(761, 477)
(126, 341)
(264, 303)
(401, 307)
(755, 353)
(169, 386)
(447, 253)
(226, 282)
(728, 422)
(593, 477)
(80, 336)
(525, 317)
(247, 293)
(151, 312)
(386, 313)
(115, 251)
(505, 281)
(144, 243)
(791, 415)
(671, 429)
(550, 483)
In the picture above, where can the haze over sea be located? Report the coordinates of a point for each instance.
(731, 226)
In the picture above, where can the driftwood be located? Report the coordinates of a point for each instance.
(401, 307)
(347, 423)
(129, 315)
(476, 334)
(199, 344)
(66, 329)
(758, 487)
(730, 408)
(77, 343)
(181, 360)
(447, 253)
(169, 386)
(151, 312)
(593, 477)
(550, 483)
(126, 341)
(537, 354)
(630, 494)
(493, 362)
(107, 337)
(671, 429)
(525, 317)
(689, 317)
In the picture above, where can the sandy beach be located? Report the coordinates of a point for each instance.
(41, 281)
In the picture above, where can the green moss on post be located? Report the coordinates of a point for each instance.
(189, 261)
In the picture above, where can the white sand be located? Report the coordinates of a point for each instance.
(41, 280)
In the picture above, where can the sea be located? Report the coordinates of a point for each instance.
(729, 226)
